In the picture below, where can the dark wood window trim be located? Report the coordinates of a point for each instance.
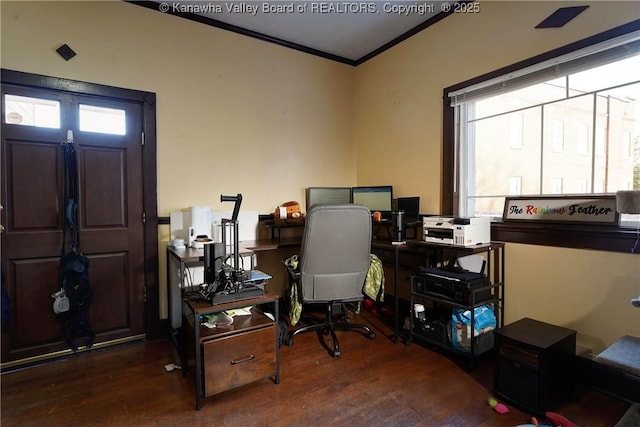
(150, 202)
(607, 238)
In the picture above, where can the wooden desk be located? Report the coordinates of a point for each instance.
(428, 252)
(270, 244)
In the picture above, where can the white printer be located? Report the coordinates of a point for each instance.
(457, 231)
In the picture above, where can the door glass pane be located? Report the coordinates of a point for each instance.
(27, 111)
(102, 120)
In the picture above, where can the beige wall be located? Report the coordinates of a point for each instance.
(234, 114)
(292, 120)
(399, 104)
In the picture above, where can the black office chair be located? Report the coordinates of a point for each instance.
(332, 267)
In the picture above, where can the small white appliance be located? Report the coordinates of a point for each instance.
(200, 229)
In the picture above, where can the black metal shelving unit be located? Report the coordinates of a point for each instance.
(495, 286)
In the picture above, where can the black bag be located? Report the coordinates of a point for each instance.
(74, 282)
(74, 279)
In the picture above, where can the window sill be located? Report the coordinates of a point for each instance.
(605, 238)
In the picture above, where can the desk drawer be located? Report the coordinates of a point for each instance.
(239, 359)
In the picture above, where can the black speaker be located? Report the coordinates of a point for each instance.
(213, 261)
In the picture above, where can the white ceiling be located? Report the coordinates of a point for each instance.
(347, 31)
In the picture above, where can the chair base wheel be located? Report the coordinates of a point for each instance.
(328, 327)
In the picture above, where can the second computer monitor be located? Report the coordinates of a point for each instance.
(333, 195)
(377, 198)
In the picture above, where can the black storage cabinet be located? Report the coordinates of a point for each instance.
(534, 364)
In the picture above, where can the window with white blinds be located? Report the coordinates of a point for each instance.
(569, 125)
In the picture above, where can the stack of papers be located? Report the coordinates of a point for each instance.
(218, 320)
(245, 311)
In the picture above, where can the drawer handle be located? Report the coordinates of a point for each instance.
(246, 359)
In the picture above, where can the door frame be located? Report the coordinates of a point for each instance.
(147, 100)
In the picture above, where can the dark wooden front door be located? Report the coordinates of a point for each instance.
(110, 216)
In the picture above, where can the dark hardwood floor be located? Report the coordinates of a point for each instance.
(373, 383)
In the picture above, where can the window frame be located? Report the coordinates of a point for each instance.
(619, 238)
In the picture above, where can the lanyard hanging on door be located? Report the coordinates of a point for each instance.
(70, 194)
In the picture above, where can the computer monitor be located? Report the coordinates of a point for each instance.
(378, 198)
(333, 195)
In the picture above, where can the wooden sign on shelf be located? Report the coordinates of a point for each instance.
(597, 209)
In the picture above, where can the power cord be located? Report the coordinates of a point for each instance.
(188, 277)
(635, 245)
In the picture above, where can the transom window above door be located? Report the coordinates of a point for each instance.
(102, 120)
(47, 113)
(28, 111)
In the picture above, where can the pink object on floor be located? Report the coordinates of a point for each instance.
(501, 408)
